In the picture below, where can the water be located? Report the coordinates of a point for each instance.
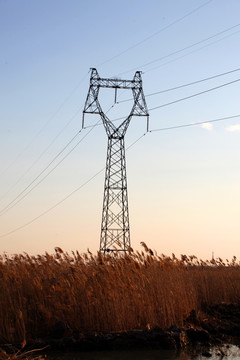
(231, 353)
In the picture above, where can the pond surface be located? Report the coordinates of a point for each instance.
(231, 353)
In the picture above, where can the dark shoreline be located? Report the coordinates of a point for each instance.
(217, 325)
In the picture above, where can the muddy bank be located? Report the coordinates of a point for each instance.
(216, 325)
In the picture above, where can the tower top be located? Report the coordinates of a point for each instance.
(92, 105)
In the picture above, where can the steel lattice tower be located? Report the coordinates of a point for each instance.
(115, 233)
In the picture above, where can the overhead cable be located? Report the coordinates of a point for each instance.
(9, 206)
(23, 193)
(193, 95)
(195, 123)
(192, 52)
(100, 171)
(185, 85)
(64, 199)
(45, 124)
(41, 155)
(181, 99)
(181, 50)
(154, 34)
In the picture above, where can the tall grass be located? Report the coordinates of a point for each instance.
(93, 293)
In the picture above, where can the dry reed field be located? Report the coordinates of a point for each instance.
(93, 293)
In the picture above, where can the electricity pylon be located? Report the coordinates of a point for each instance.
(115, 232)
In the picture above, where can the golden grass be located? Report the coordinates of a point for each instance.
(92, 293)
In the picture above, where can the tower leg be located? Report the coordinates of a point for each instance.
(115, 233)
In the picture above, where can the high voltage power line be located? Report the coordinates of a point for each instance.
(24, 194)
(41, 155)
(156, 33)
(75, 88)
(181, 99)
(15, 201)
(83, 78)
(140, 42)
(194, 124)
(192, 52)
(66, 197)
(185, 85)
(19, 197)
(100, 171)
(25, 191)
(52, 207)
(193, 95)
(181, 50)
(47, 123)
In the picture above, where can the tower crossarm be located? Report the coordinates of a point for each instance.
(92, 105)
(115, 83)
(96, 80)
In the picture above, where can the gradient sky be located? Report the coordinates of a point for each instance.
(183, 184)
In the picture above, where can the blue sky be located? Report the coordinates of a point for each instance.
(183, 183)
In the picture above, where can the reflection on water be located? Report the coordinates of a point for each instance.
(231, 352)
(227, 353)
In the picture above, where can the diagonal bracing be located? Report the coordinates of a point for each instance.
(115, 231)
